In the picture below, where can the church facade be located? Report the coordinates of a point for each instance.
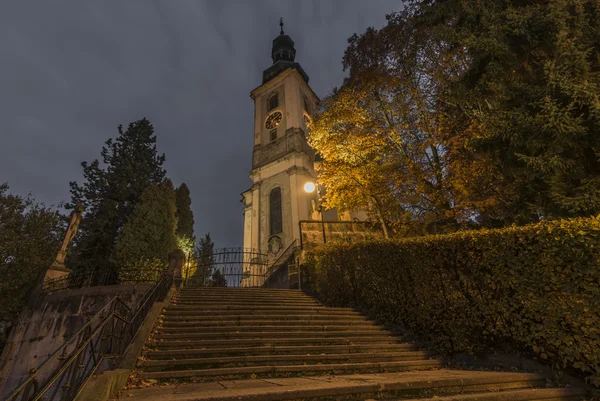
(282, 160)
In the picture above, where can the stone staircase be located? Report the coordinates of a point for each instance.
(269, 344)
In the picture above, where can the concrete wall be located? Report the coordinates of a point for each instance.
(51, 321)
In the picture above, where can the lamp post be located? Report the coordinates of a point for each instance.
(310, 187)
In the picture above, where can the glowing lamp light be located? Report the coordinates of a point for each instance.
(309, 187)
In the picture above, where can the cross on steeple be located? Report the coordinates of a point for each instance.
(281, 25)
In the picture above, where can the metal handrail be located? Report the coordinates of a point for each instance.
(281, 259)
(90, 279)
(102, 345)
(70, 360)
(283, 256)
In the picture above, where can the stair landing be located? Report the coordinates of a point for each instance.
(437, 385)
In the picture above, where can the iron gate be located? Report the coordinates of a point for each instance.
(230, 267)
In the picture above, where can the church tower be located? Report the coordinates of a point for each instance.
(282, 160)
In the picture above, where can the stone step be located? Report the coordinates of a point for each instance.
(229, 303)
(201, 288)
(236, 302)
(244, 293)
(256, 295)
(269, 341)
(288, 370)
(266, 302)
(280, 360)
(237, 291)
(264, 318)
(254, 323)
(277, 350)
(405, 385)
(233, 292)
(311, 328)
(194, 312)
(264, 308)
(548, 394)
(270, 334)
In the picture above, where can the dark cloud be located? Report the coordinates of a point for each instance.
(72, 71)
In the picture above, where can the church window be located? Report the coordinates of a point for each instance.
(275, 218)
(306, 105)
(273, 102)
(274, 134)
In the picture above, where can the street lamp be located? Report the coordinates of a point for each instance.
(310, 187)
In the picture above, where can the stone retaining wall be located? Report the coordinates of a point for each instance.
(52, 320)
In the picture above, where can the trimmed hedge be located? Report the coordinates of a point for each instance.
(536, 287)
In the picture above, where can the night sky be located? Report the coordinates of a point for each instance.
(72, 71)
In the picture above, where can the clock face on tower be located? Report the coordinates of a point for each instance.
(273, 120)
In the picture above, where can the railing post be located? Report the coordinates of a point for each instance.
(299, 273)
(176, 261)
(323, 226)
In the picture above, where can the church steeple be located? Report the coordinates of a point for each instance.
(283, 46)
(282, 160)
(283, 55)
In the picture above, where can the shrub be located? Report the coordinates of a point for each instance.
(536, 287)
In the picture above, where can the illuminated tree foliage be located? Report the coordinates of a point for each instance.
(380, 133)
(186, 241)
(461, 113)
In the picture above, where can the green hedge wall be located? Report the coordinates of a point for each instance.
(536, 287)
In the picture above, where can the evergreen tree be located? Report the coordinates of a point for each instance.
(461, 113)
(528, 98)
(185, 216)
(30, 237)
(130, 164)
(218, 279)
(149, 235)
(206, 260)
(207, 248)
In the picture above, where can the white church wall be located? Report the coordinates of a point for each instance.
(281, 181)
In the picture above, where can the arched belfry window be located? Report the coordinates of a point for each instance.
(276, 225)
(273, 102)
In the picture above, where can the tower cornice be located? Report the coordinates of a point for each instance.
(278, 80)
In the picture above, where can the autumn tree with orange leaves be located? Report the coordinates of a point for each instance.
(460, 114)
(381, 133)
